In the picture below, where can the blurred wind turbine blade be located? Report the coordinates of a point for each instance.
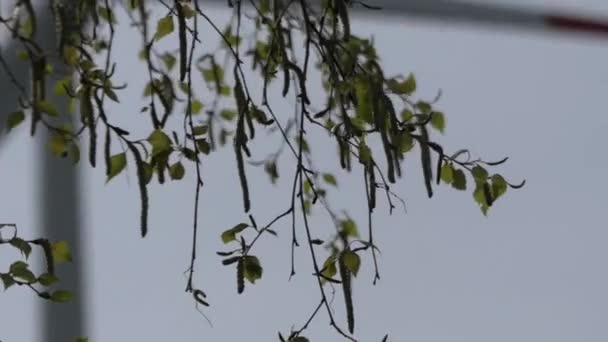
(485, 14)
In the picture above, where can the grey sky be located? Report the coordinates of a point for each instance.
(531, 271)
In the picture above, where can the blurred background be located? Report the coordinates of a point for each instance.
(533, 270)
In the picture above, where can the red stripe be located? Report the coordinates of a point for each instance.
(577, 24)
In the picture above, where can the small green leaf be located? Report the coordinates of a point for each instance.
(7, 280)
(272, 171)
(74, 153)
(406, 87)
(117, 164)
(14, 119)
(424, 107)
(410, 84)
(352, 261)
(480, 198)
(230, 234)
(253, 269)
(330, 179)
(447, 173)
(499, 185)
(169, 60)
(406, 115)
(480, 174)
(148, 171)
(203, 146)
(200, 130)
(177, 171)
(365, 154)
(189, 154)
(196, 106)
(460, 181)
(22, 55)
(61, 252)
(18, 265)
(364, 105)
(47, 107)
(329, 267)
(160, 142)
(228, 114)
(298, 339)
(438, 121)
(58, 145)
(111, 94)
(83, 339)
(349, 228)
(22, 246)
(24, 273)
(61, 296)
(164, 27)
(47, 279)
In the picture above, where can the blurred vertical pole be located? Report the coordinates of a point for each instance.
(58, 190)
(59, 203)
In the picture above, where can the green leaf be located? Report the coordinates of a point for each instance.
(148, 171)
(329, 267)
(61, 296)
(365, 154)
(351, 261)
(24, 273)
(160, 142)
(364, 106)
(164, 27)
(406, 143)
(47, 279)
(117, 164)
(61, 252)
(74, 153)
(460, 181)
(58, 145)
(499, 185)
(18, 265)
(22, 246)
(169, 60)
(447, 173)
(406, 115)
(230, 234)
(83, 339)
(196, 106)
(228, 114)
(253, 269)
(203, 146)
(177, 171)
(406, 87)
(424, 107)
(271, 169)
(330, 179)
(7, 280)
(200, 130)
(438, 121)
(14, 119)
(480, 174)
(299, 339)
(349, 228)
(111, 94)
(480, 198)
(47, 107)
(410, 84)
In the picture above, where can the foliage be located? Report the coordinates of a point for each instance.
(374, 120)
(19, 272)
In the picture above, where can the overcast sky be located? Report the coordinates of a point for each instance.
(533, 270)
